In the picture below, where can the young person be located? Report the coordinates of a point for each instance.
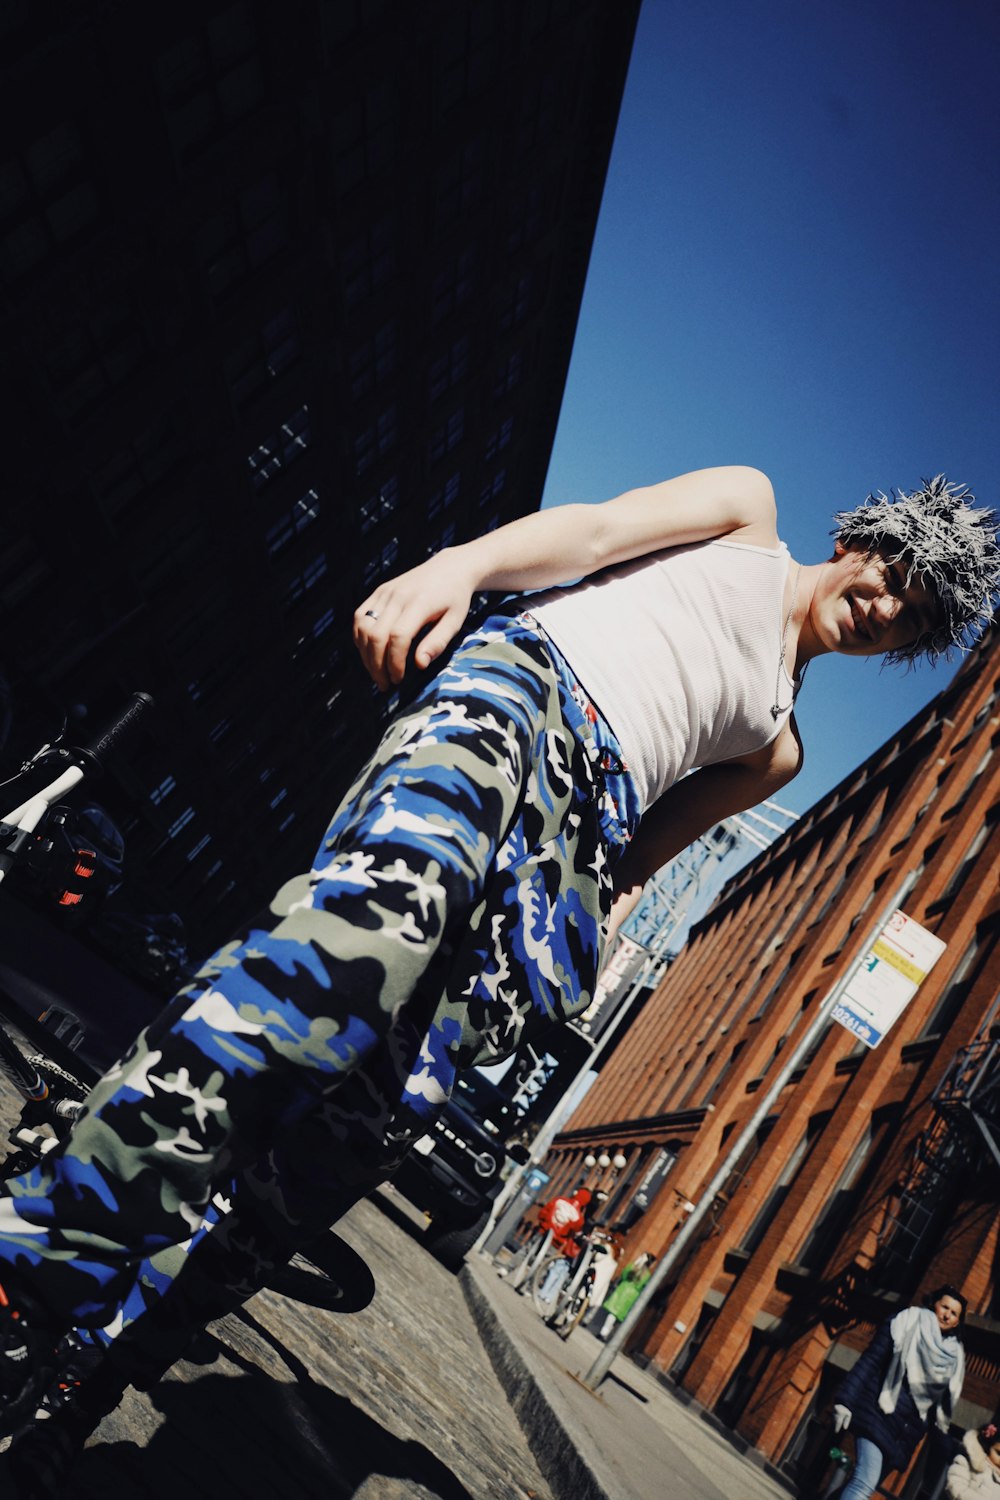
(907, 1381)
(461, 898)
(974, 1474)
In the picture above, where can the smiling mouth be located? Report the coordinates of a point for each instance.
(858, 621)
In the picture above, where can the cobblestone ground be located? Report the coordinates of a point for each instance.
(287, 1401)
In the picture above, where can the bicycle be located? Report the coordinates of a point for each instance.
(573, 1300)
(54, 1081)
(552, 1308)
(532, 1256)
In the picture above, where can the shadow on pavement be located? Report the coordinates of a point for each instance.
(232, 1436)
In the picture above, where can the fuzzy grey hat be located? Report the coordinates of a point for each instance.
(951, 545)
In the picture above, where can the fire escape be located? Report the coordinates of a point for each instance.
(965, 1133)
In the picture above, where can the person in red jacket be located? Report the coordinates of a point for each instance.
(565, 1216)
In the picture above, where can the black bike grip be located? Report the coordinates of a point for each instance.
(122, 728)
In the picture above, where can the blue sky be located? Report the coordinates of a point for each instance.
(795, 267)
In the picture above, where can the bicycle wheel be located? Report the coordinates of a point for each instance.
(564, 1303)
(579, 1312)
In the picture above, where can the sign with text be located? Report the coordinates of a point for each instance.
(622, 967)
(887, 978)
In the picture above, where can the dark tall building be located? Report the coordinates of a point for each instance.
(287, 299)
(875, 1175)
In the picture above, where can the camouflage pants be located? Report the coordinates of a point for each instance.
(454, 909)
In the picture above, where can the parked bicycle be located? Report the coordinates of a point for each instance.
(52, 843)
(564, 1302)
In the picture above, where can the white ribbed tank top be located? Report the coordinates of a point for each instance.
(679, 650)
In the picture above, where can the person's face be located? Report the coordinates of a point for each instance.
(993, 1454)
(948, 1311)
(864, 606)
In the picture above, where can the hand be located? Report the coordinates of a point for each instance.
(841, 1418)
(428, 605)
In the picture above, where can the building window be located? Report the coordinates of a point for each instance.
(372, 362)
(776, 985)
(444, 497)
(508, 375)
(319, 626)
(452, 285)
(970, 785)
(459, 184)
(253, 367)
(94, 358)
(375, 440)
(380, 563)
(166, 786)
(833, 1218)
(209, 683)
(363, 136)
(517, 303)
(526, 217)
(449, 368)
(543, 108)
(772, 1203)
(296, 590)
(300, 515)
(281, 449)
(246, 235)
(447, 436)
(462, 56)
(162, 562)
(180, 823)
(444, 538)
(46, 200)
(964, 870)
(499, 439)
(492, 488)
(220, 730)
(381, 506)
(208, 81)
(198, 848)
(135, 468)
(23, 571)
(955, 994)
(368, 261)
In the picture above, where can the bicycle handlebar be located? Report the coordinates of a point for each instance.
(120, 729)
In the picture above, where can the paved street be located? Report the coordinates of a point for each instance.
(393, 1403)
(406, 1399)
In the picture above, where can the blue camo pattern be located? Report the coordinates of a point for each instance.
(455, 909)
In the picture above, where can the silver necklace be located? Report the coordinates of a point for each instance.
(776, 709)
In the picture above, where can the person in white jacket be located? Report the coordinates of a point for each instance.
(976, 1470)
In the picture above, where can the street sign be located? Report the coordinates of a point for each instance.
(887, 978)
(624, 962)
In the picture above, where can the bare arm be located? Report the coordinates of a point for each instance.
(552, 547)
(691, 807)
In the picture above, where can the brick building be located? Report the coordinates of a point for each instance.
(876, 1176)
(287, 300)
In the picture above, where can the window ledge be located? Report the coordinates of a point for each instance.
(924, 1046)
(790, 1277)
(735, 1260)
